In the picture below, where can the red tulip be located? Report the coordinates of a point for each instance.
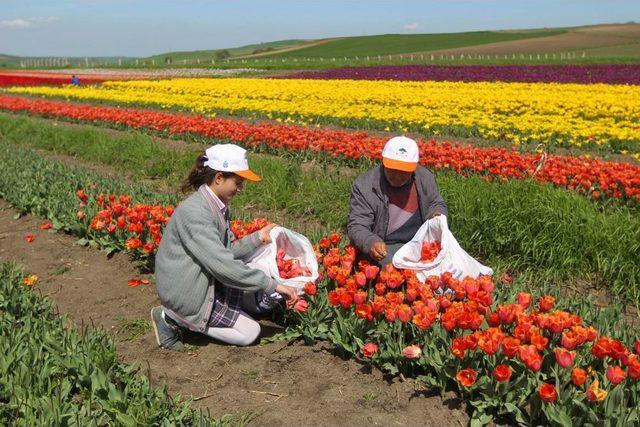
(564, 357)
(29, 238)
(578, 376)
(546, 303)
(360, 297)
(615, 374)
(634, 369)
(371, 271)
(524, 300)
(530, 357)
(363, 311)
(466, 377)
(360, 278)
(369, 349)
(335, 238)
(502, 373)
(510, 346)
(548, 392)
(310, 289)
(301, 305)
(405, 313)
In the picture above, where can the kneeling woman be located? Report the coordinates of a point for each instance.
(200, 272)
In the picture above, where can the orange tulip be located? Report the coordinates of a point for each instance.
(524, 300)
(369, 349)
(502, 373)
(595, 393)
(616, 374)
(30, 280)
(548, 392)
(310, 289)
(466, 377)
(546, 303)
(578, 376)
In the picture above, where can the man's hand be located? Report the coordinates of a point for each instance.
(264, 233)
(378, 251)
(290, 294)
(436, 213)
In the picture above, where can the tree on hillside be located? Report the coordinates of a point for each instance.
(222, 54)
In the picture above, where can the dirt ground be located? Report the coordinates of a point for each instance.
(276, 384)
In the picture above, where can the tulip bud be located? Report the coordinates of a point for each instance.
(369, 349)
(412, 352)
(524, 300)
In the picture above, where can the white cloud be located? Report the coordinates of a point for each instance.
(26, 22)
(411, 26)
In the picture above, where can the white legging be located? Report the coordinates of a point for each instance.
(243, 332)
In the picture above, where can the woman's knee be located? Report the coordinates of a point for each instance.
(249, 330)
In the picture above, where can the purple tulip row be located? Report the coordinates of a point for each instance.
(612, 73)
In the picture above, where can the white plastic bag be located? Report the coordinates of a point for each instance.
(451, 258)
(296, 246)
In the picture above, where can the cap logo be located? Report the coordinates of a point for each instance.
(225, 164)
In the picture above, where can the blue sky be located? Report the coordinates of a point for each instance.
(146, 27)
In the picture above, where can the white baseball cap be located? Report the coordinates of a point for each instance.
(401, 153)
(230, 158)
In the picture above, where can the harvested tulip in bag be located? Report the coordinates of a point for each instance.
(289, 258)
(434, 251)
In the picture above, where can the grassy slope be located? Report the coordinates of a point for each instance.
(392, 44)
(237, 51)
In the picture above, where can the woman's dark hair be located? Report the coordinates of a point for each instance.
(201, 174)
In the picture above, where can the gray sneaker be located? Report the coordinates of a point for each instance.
(168, 334)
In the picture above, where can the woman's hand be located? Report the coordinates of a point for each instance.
(264, 233)
(290, 294)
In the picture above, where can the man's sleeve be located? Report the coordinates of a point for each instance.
(361, 220)
(436, 202)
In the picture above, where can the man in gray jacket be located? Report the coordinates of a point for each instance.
(391, 202)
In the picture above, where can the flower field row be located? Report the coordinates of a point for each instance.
(598, 115)
(591, 176)
(610, 74)
(550, 234)
(497, 346)
(37, 79)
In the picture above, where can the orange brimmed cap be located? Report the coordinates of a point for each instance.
(401, 153)
(230, 158)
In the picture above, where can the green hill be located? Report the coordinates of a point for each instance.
(8, 61)
(207, 55)
(395, 44)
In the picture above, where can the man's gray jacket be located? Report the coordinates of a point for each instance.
(369, 206)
